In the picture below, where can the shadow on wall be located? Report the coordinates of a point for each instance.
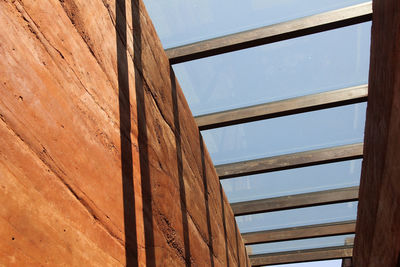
(142, 138)
(206, 200)
(182, 191)
(131, 246)
(224, 224)
(125, 137)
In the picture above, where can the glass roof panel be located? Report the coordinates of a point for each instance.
(301, 66)
(297, 217)
(314, 63)
(308, 243)
(289, 134)
(294, 181)
(180, 22)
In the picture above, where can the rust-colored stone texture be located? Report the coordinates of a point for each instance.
(101, 161)
(377, 241)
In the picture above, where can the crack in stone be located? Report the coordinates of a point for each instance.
(36, 32)
(171, 237)
(43, 154)
(86, 39)
(83, 202)
(40, 36)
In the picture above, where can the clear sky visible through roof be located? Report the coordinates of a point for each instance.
(181, 22)
(314, 63)
(310, 64)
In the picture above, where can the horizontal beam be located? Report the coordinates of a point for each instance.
(290, 161)
(329, 253)
(294, 233)
(296, 201)
(349, 241)
(284, 107)
(273, 33)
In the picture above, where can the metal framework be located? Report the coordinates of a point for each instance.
(294, 233)
(290, 106)
(290, 161)
(296, 201)
(273, 33)
(269, 34)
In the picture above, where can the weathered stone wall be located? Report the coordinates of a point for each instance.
(101, 162)
(377, 240)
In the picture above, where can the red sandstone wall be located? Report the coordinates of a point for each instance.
(101, 162)
(377, 240)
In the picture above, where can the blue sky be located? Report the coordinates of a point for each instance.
(180, 22)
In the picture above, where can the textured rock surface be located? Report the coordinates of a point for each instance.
(101, 162)
(377, 240)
